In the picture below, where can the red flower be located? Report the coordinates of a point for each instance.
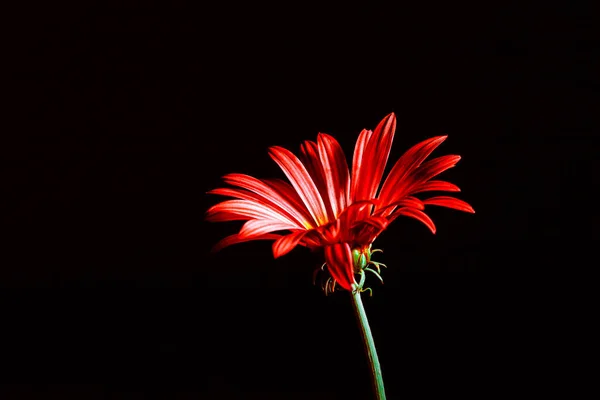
(326, 207)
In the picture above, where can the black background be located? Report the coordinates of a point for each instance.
(127, 115)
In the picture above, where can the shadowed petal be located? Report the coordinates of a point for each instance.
(367, 230)
(408, 201)
(301, 181)
(435, 167)
(286, 243)
(394, 186)
(332, 233)
(347, 217)
(450, 202)
(340, 264)
(236, 238)
(416, 214)
(440, 186)
(379, 223)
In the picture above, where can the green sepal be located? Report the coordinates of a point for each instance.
(376, 274)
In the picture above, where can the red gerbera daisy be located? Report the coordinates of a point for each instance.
(325, 206)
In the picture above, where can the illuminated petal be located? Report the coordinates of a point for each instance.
(340, 264)
(450, 202)
(301, 181)
(235, 210)
(286, 243)
(416, 214)
(281, 195)
(335, 171)
(289, 193)
(257, 227)
(236, 238)
(358, 161)
(255, 198)
(309, 156)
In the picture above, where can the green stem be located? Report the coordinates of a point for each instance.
(361, 316)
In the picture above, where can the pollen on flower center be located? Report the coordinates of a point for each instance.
(321, 221)
(307, 224)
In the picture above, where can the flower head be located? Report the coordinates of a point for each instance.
(326, 206)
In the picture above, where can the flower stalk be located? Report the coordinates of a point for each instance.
(365, 329)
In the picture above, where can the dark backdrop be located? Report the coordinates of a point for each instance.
(127, 115)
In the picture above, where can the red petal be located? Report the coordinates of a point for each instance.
(282, 195)
(301, 181)
(255, 198)
(440, 186)
(321, 237)
(367, 230)
(236, 238)
(309, 156)
(416, 214)
(230, 193)
(340, 264)
(256, 227)
(235, 210)
(348, 216)
(358, 162)
(335, 172)
(376, 222)
(288, 192)
(450, 202)
(374, 158)
(408, 201)
(331, 233)
(435, 167)
(394, 184)
(286, 243)
(425, 172)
